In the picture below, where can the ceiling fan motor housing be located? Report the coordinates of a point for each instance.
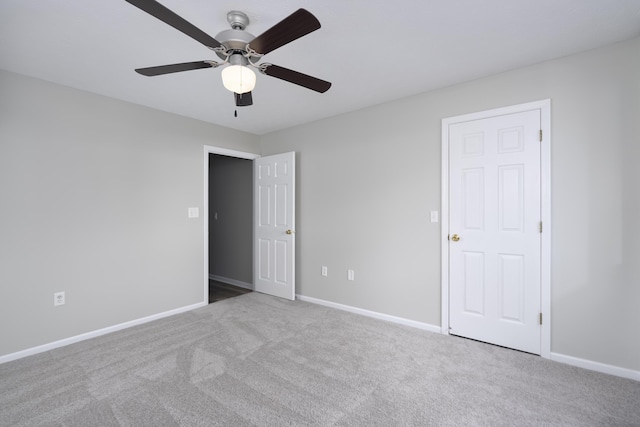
(235, 38)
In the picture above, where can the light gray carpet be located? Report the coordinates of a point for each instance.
(258, 360)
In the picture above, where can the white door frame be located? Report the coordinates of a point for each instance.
(545, 198)
(208, 149)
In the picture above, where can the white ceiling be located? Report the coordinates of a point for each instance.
(373, 51)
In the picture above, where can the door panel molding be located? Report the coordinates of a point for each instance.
(544, 106)
(274, 225)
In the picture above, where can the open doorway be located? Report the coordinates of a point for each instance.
(272, 224)
(230, 226)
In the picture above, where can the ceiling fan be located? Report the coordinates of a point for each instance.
(239, 49)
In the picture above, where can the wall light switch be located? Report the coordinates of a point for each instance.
(434, 216)
(194, 213)
(351, 275)
(324, 271)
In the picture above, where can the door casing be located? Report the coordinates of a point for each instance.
(545, 198)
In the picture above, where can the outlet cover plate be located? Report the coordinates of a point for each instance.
(58, 298)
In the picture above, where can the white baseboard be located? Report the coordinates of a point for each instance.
(597, 366)
(93, 334)
(233, 282)
(561, 358)
(374, 314)
(569, 360)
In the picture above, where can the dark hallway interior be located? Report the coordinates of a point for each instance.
(219, 291)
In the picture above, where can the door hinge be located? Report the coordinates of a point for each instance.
(540, 226)
(541, 318)
(540, 135)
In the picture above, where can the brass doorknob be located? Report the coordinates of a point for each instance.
(455, 237)
(290, 231)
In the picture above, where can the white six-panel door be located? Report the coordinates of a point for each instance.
(494, 230)
(274, 225)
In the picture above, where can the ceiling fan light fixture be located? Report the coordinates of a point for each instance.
(238, 78)
(239, 49)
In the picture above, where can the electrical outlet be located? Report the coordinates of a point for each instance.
(351, 275)
(324, 271)
(58, 298)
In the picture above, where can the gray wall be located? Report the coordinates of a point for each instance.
(94, 193)
(231, 234)
(367, 181)
(93, 201)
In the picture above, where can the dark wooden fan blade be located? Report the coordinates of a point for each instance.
(243, 99)
(295, 77)
(172, 68)
(296, 25)
(154, 8)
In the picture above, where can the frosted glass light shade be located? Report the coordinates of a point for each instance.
(238, 78)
